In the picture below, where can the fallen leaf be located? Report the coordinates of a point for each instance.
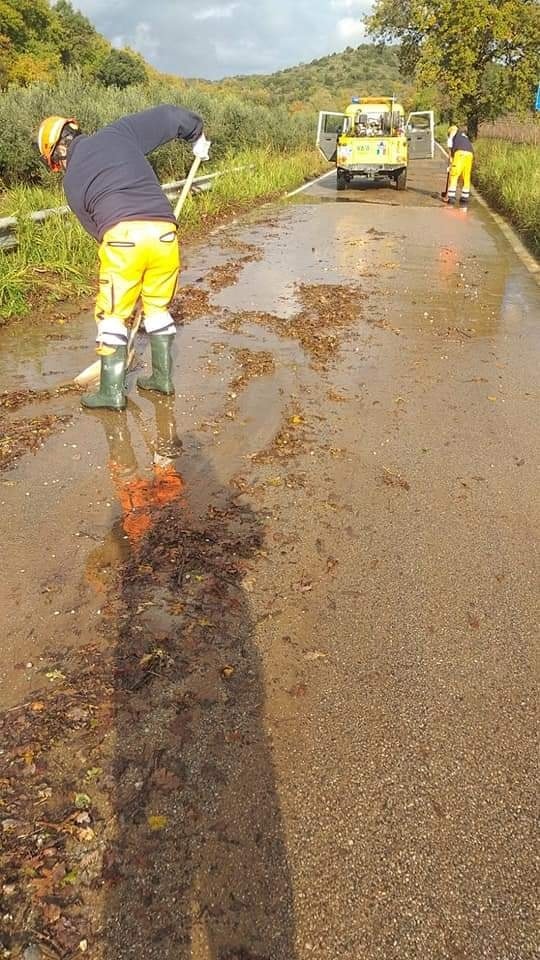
(233, 736)
(85, 834)
(156, 821)
(93, 773)
(43, 886)
(395, 480)
(53, 675)
(77, 714)
(153, 657)
(227, 671)
(8, 825)
(165, 779)
(176, 608)
(51, 912)
(70, 878)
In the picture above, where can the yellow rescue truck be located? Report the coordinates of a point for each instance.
(372, 139)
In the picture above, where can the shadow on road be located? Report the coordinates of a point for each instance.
(381, 191)
(197, 865)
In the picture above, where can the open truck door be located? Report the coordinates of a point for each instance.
(420, 130)
(329, 129)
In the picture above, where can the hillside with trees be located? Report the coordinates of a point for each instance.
(330, 81)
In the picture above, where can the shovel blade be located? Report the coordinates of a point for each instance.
(90, 374)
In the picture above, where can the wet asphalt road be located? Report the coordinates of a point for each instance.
(397, 601)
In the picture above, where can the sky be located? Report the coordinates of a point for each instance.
(218, 38)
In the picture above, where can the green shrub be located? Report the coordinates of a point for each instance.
(121, 69)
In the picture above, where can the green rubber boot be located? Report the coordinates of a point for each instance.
(111, 393)
(161, 377)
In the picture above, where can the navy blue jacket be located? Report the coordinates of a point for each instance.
(462, 142)
(108, 178)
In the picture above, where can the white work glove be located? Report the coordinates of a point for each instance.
(201, 148)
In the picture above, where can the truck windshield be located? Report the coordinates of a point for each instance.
(377, 124)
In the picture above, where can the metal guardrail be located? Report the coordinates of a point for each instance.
(8, 225)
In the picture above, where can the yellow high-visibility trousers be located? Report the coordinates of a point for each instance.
(460, 168)
(137, 258)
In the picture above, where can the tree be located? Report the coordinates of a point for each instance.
(6, 60)
(120, 69)
(22, 20)
(33, 67)
(484, 55)
(74, 36)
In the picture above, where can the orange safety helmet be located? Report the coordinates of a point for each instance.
(49, 136)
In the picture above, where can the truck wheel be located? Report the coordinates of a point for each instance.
(341, 180)
(401, 179)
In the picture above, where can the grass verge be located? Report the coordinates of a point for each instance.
(56, 260)
(508, 176)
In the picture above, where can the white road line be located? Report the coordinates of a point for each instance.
(306, 186)
(506, 228)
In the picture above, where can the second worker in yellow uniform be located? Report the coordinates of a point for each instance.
(461, 164)
(114, 192)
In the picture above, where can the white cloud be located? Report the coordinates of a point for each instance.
(348, 5)
(224, 37)
(245, 51)
(351, 29)
(143, 40)
(216, 13)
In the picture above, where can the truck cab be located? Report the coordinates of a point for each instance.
(373, 139)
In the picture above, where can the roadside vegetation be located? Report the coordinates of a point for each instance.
(515, 129)
(57, 259)
(508, 175)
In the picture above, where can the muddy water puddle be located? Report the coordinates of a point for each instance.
(338, 298)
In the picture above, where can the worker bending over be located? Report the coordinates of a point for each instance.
(114, 192)
(461, 163)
